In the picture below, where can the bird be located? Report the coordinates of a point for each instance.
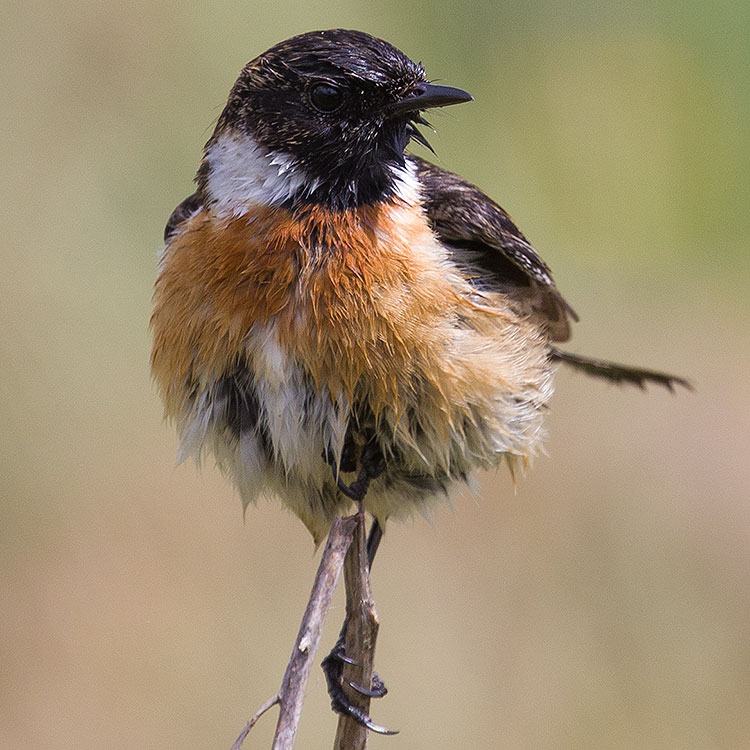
(338, 321)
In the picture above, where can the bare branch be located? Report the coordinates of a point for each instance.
(295, 679)
(361, 634)
(292, 691)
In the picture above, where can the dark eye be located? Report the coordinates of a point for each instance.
(326, 98)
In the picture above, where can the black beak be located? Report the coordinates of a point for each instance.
(427, 95)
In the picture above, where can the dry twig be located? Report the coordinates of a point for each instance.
(270, 703)
(361, 634)
(292, 691)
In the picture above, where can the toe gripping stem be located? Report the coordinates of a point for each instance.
(333, 668)
(333, 664)
(371, 466)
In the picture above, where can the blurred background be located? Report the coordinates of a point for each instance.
(606, 604)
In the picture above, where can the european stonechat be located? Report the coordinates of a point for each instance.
(336, 320)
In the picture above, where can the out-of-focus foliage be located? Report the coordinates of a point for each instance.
(605, 605)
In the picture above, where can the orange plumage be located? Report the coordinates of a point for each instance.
(367, 304)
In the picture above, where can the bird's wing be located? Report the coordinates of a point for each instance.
(189, 207)
(485, 239)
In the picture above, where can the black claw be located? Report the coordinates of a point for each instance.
(340, 703)
(378, 689)
(339, 654)
(360, 716)
(377, 728)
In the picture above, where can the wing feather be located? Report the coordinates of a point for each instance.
(485, 238)
(189, 207)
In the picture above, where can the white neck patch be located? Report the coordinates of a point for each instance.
(406, 182)
(242, 174)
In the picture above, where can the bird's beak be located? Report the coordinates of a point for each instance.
(427, 95)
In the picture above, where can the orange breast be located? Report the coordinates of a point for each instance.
(353, 295)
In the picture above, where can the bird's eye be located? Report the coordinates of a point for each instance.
(326, 98)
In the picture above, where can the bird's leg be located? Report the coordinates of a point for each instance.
(333, 664)
(371, 463)
(373, 542)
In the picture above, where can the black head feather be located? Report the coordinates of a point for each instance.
(338, 103)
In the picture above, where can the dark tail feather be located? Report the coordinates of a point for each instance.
(619, 373)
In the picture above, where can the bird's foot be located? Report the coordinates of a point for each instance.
(372, 465)
(333, 668)
(357, 489)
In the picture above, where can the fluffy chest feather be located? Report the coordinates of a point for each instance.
(355, 296)
(276, 334)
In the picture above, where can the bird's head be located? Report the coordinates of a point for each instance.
(323, 117)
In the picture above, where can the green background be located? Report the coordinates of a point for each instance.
(606, 604)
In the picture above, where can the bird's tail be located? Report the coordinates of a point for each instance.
(619, 373)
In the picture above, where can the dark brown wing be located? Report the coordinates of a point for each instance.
(189, 207)
(485, 238)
